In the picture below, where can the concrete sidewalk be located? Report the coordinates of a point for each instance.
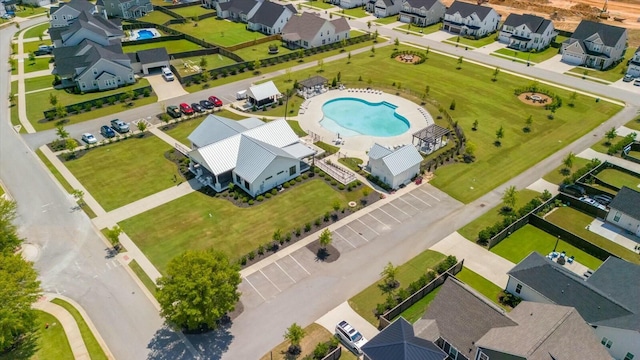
(78, 348)
(592, 154)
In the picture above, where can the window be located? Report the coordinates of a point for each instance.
(518, 288)
(280, 172)
(617, 217)
(269, 177)
(238, 179)
(483, 356)
(453, 353)
(629, 356)
(606, 342)
(246, 185)
(95, 71)
(292, 171)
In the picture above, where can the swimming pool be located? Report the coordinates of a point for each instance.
(352, 117)
(145, 34)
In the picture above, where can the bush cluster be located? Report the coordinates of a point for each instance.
(581, 172)
(490, 231)
(620, 145)
(376, 180)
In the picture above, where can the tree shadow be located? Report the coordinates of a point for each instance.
(167, 345)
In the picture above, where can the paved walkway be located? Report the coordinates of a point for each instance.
(592, 154)
(541, 185)
(488, 49)
(614, 233)
(624, 131)
(22, 98)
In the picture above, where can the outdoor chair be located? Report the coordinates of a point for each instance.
(570, 259)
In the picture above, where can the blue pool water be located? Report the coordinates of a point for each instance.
(351, 117)
(145, 34)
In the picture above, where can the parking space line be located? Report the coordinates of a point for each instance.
(286, 273)
(389, 215)
(272, 283)
(254, 288)
(378, 220)
(294, 259)
(428, 193)
(345, 239)
(365, 239)
(398, 209)
(426, 203)
(406, 202)
(362, 222)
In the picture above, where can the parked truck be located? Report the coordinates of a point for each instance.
(119, 126)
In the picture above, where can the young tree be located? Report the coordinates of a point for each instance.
(474, 127)
(343, 43)
(389, 274)
(9, 240)
(427, 89)
(568, 161)
(288, 72)
(277, 235)
(142, 126)
(61, 132)
(320, 65)
(373, 50)
(469, 152)
(199, 289)
(53, 99)
(396, 43)
(369, 25)
(113, 235)
(495, 74)
(572, 99)
(256, 65)
(510, 197)
(61, 110)
(426, 52)
(295, 333)
(610, 135)
(460, 60)
(325, 238)
(528, 123)
(203, 62)
(32, 57)
(131, 95)
(349, 58)
(499, 136)
(375, 36)
(79, 196)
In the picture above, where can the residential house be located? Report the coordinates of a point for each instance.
(422, 12)
(36, 3)
(253, 155)
(87, 27)
(527, 32)
(308, 30)
(92, 67)
(349, 4)
(237, 10)
(384, 8)
(127, 9)
(394, 167)
(270, 18)
(468, 326)
(263, 95)
(145, 61)
(397, 341)
(67, 12)
(470, 19)
(607, 300)
(595, 45)
(625, 210)
(634, 64)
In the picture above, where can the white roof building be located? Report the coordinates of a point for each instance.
(394, 167)
(263, 94)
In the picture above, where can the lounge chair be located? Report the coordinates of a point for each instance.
(570, 259)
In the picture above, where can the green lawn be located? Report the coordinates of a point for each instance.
(295, 126)
(356, 12)
(576, 221)
(490, 39)
(41, 82)
(261, 51)
(40, 63)
(415, 311)
(121, 173)
(619, 179)
(172, 46)
(32, 46)
(319, 4)
(94, 348)
(219, 31)
(364, 303)
(613, 74)
(330, 149)
(35, 31)
(351, 162)
(198, 221)
(471, 230)
(144, 278)
(556, 176)
(634, 124)
(156, 17)
(192, 11)
(529, 238)
(54, 171)
(213, 61)
(386, 20)
(534, 57)
(52, 343)
(27, 11)
(481, 285)
(601, 146)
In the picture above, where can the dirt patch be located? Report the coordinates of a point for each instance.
(535, 99)
(408, 59)
(327, 255)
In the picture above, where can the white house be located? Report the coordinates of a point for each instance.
(308, 30)
(384, 8)
(127, 9)
(527, 32)
(237, 10)
(625, 210)
(255, 156)
(270, 18)
(607, 300)
(470, 20)
(595, 45)
(263, 94)
(87, 27)
(349, 4)
(422, 12)
(394, 167)
(634, 64)
(66, 12)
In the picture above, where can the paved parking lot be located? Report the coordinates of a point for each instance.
(266, 283)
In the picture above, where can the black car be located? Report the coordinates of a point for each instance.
(107, 131)
(206, 104)
(174, 111)
(197, 108)
(573, 189)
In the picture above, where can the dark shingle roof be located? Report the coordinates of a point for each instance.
(238, 6)
(268, 13)
(427, 4)
(628, 202)
(312, 81)
(466, 9)
(536, 24)
(68, 59)
(608, 33)
(153, 55)
(619, 280)
(80, 5)
(398, 342)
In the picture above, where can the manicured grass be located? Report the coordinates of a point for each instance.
(231, 115)
(40, 63)
(213, 61)
(364, 303)
(386, 21)
(156, 17)
(556, 176)
(529, 238)
(351, 163)
(32, 46)
(295, 126)
(218, 31)
(314, 334)
(172, 46)
(192, 11)
(415, 311)
(602, 146)
(54, 171)
(319, 4)
(198, 221)
(422, 30)
(534, 57)
(619, 179)
(613, 74)
(41, 82)
(471, 230)
(576, 221)
(121, 173)
(489, 39)
(52, 343)
(330, 149)
(35, 31)
(261, 51)
(144, 278)
(634, 124)
(28, 11)
(481, 285)
(93, 347)
(15, 120)
(356, 12)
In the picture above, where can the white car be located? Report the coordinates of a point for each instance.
(637, 82)
(350, 337)
(89, 138)
(167, 74)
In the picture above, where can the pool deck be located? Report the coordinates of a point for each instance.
(357, 146)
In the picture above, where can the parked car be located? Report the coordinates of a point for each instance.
(89, 138)
(120, 126)
(43, 50)
(350, 337)
(215, 101)
(186, 109)
(592, 202)
(573, 189)
(197, 108)
(174, 111)
(7, 16)
(627, 78)
(107, 131)
(207, 104)
(167, 74)
(637, 82)
(603, 199)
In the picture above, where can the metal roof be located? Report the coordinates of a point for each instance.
(299, 150)
(213, 129)
(402, 159)
(250, 123)
(263, 91)
(277, 133)
(219, 157)
(255, 156)
(378, 151)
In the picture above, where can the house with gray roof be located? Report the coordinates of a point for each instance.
(468, 19)
(527, 32)
(634, 64)
(67, 12)
(253, 155)
(397, 341)
(595, 45)
(349, 4)
(236, 10)
(127, 9)
(625, 210)
(384, 8)
(87, 26)
(144, 61)
(422, 12)
(270, 18)
(309, 30)
(394, 167)
(607, 300)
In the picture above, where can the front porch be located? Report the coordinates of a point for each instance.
(218, 182)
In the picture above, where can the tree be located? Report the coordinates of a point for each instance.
(510, 197)
(396, 42)
(9, 240)
(325, 238)
(199, 289)
(53, 99)
(469, 152)
(32, 57)
(142, 126)
(203, 62)
(568, 161)
(295, 333)
(375, 36)
(460, 60)
(256, 65)
(130, 94)
(389, 274)
(288, 72)
(349, 58)
(527, 123)
(427, 89)
(572, 99)
(610, 135)
(343, 43)
(61, 132)
(369, 25)
(79, 196)
(373, 50)
(475, 125)
(499, 136)
(495, 74)
(12, 99)
(426, 52)
(320, 65)
(61, 110)
(113, 235)
(277, 235)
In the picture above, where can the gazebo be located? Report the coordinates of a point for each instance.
(263, 95)
(430, 138)
(312, 86)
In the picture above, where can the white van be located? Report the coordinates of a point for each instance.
(167, 74)
(241, 95)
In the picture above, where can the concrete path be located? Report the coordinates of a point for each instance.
(345, 312)
(165, 90)
(555, 64)
(22, 99)
(624, 131)
(541, 185)
(592, 154)
(476, 258)
(488, 49)
(78, 348)
(614, 233)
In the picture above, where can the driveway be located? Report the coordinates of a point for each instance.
(488, 49)
(165, 89)
(555, 64)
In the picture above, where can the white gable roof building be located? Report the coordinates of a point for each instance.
(394, 167)
(263, 94)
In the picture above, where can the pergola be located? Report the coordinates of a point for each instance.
(430, 138)
(312, 82)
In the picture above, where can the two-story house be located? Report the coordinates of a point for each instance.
(237, 10)
(595, 45)
(127, 9)
(634, 64)
(67, 12)
(384, 8)
(527, 32)
(309, 30)
(349, 4)
(625, 210)
(87, 26)
(270, 18)
(470, 20)
(422, 12)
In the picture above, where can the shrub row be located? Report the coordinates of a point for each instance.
(620, 145)
(581, 172)
(376, 180)
(490, 231)
(100, 102)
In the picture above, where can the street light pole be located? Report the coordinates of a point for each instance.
(556, 245)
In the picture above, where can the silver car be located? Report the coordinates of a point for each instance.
(89, 138)
(350, 337)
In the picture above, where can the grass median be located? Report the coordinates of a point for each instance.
(93, 346)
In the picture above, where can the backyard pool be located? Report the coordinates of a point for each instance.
(144, 34)
(352, 117)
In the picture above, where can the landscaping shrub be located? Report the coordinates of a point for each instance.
(250, 202)
(305, 176)
(447, 263)
(321, 350)
(334, 183)
(292, 182)
(321, 174)
(341, 187)
(307, 227)
(285, 185)
(298, 231)
(581, 172)
(298, 179)
(243, 260)
(509, 299)
(376, 180)
(287, 237)
(326, 216)
(252, 255)
(261, 249)
(274, 192)
(259, 198)
(267, 195)
(318, 222)
(617, 147)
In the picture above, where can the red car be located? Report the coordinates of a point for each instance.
(215, 101)
(186, 109)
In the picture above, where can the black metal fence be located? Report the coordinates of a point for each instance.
(634, 146)
(334, 355)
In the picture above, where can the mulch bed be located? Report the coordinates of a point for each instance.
(414, 60)
(328, 255)
(181, 162)
(523, 97)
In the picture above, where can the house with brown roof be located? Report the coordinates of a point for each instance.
(308, 30)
